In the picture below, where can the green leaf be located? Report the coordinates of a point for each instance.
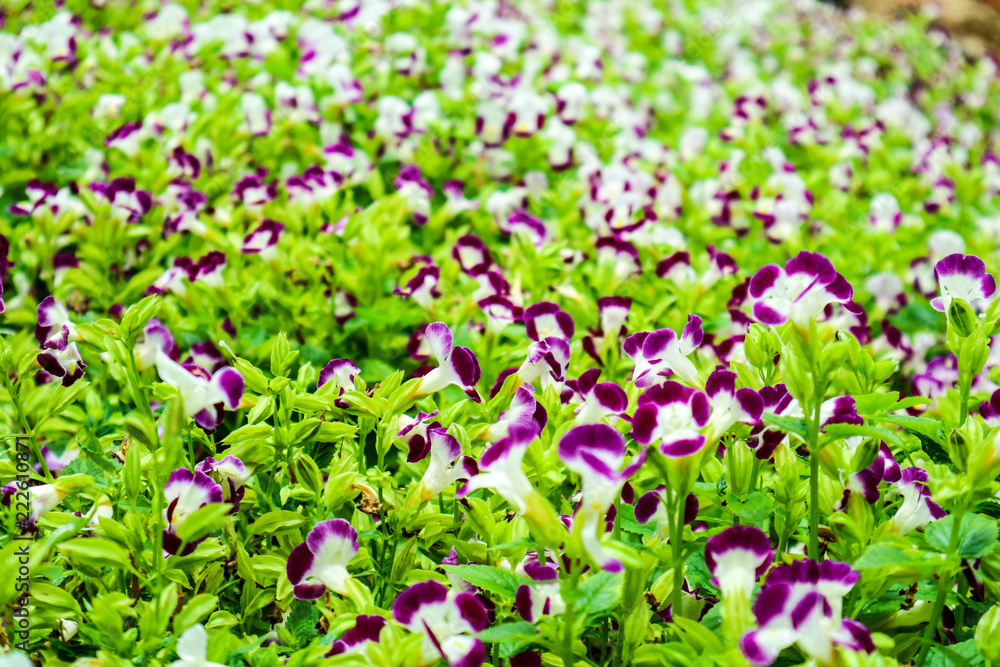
(204, 521)
(276, 521)
(977, 534)
(796, 425)
(870, 404)
(881, 556)
(96, 552)
(491, 579)
(849, 430)
(600, 592)
(755, 509)
(63, 396)
(194, 611)
(507, 632)
(629, 523)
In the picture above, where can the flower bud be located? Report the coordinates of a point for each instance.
(738, 462)
(961, 318)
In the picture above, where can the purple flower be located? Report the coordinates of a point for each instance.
(446, 466)
(366, 630)
(801, 604)
(621, 254)
(597, 453)
(472, 254)
(500, 468)
(423, 287)
(652, 506)
(500, 313)
(990, 410)
(918, 508)
(520, 222)
(203, 395)
(729, 404)
(798, 292)
(38, 192)
(155, 336)
(962, 277)
(661, 353)
(253, 191)
(53, 328)
(672, 415)
(206, 355)
(64, 363)
(230, 473)
(523, 408)
(263, 241)
(416, 192)
(320, 563)
(737, 557)
(547, 360)
(446, 621)
(456, 365)
(341, 372)
(598, 399)
(545, 319)
(186, 492)
(256, 114)
(542, 597)
(128, 203)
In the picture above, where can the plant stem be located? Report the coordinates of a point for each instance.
(814, 484)
(35, 449)
(569, 657)
(944, 584)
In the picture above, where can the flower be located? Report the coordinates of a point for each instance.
(456, 365)
(341, 372)
(42, 498)
(447, 465)
(366, 630)
(547, 360)
(321, 561)
(918, 508)
(737, 557)
(445, 621)
(798, 292)
(672, 415)
(186, 492)
(263, 240)
(545, 319)
(801, 604)
(662, 352)
(541, 598)
(596, 452)
(652, 506)
(192, 649)
(155, 337)
(500, 468)
(203, 395)
(53, 328)
(598, 399)
(962, 277)
(729, 404)
(230, 473)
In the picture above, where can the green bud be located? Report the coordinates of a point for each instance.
(961, 318)
(986, 633)
(991, 322)
(307, 473)
(738, 462)
(279, 352)
(972, 355)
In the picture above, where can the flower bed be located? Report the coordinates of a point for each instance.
(413, 333)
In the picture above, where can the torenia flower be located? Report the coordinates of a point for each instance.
(651, 506)
(662, 352)
(53, 328)
(596, 452)
(203, 394)
(447, 465)
(230, 473)
(963, 277)
(500, 468)
(263, 241)
(523, 407)
(918, 508)
(64, 363)
(672, 415)
(445, 621)
(155, 337)
(799, 292)
(456, 365)
(547, 360)
(729, 404)
(256, 113)
(321, 561)
(598, 399)
(43, 499)
(737, 557)
(801, 604)
(339, 371)
(185, 493)
(990, 410)
(541, 598)
(192, 649)
(366, 630)
(546, 319)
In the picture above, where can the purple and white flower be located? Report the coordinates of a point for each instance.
(547, 359)
(230, 473)
(542, 597)
(801, 604)
(446, 621)
(366, 630)
(256, 114)
(203, 395)
(918, 508)
(500, 468)
(341, 373)
(662, 352)
(523, 407)
(320, 563)
(155, 337)
(423, 287)
(416, 192)
(456, 365)
(53, 328)
(186, 492)
(652, 506)
(545, 319)
(672, 415)
(446, 466)
(263, 240)
(597, 453)
(598, 399)
(737, 557)
(963, 277)
(799, 292)
(990, 410)
(729, 404)
(65, 363)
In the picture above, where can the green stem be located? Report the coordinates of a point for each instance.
(944, 584)
(569, 657)
(32, 439)
(964, 388)
(814, 485)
